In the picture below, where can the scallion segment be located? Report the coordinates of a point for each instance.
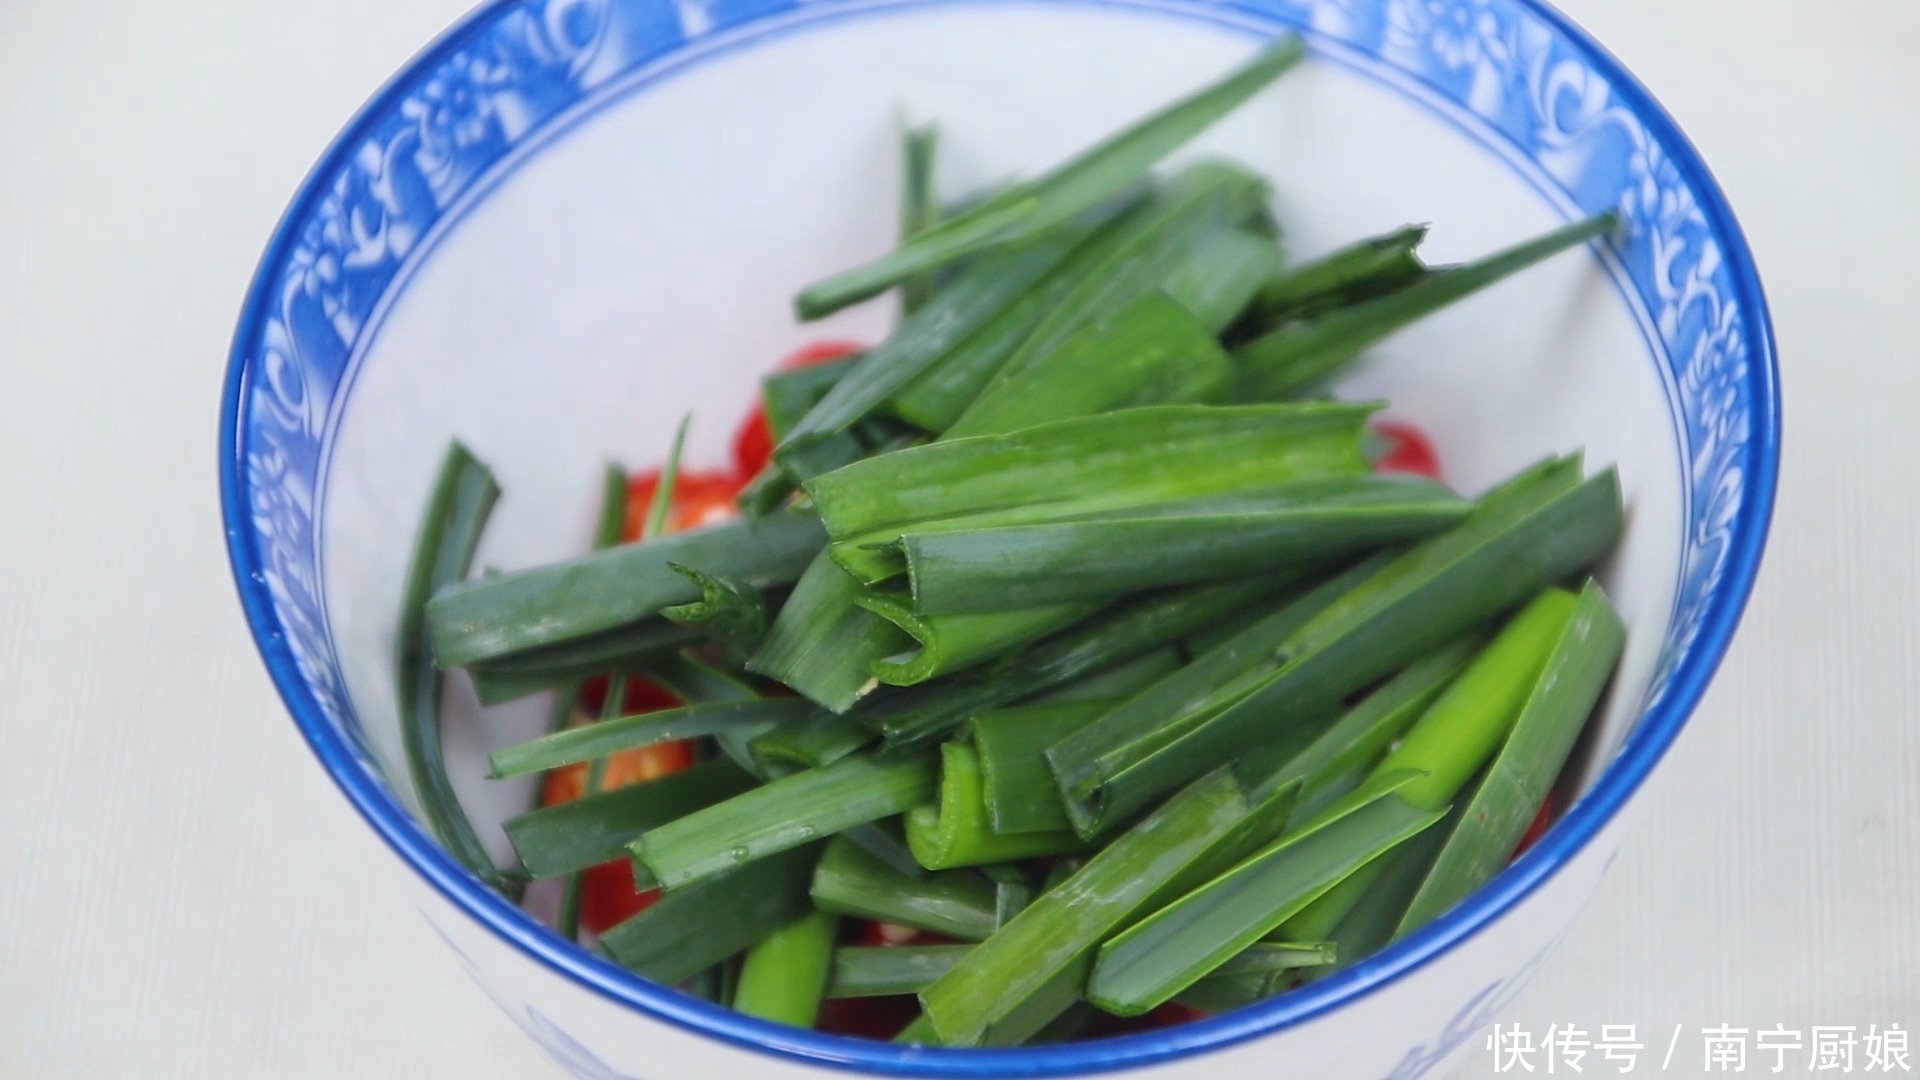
(852, 881)
(598, 740)
(571, 836)
(784, 975)
(693, 928)
(463, 496)
(954, 831)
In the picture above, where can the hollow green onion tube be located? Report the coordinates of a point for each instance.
(1048, 201)
(789, 812)
(1180, 543)
(691, 929)
(1362, 271)
(822, 644)
(1011, 744)
(784, 975)
(463, 496)
(1044, 954)
(611, 590)
(598, 740)
(571, 836)
(954, 832)
(944, 644)
(956, 903)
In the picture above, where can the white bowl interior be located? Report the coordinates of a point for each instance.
(641, 263)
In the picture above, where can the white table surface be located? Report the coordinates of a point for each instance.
(185, 893)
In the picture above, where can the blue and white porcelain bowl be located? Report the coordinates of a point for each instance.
(570, 221)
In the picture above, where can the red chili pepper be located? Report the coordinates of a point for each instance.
(1412, 451)
(1541, 823)
(753, 444)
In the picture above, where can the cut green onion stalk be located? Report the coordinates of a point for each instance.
(1539, 528)
(1145, 966)
(1072, 468)
(1179, 543)
(944, 644)
(954, 832)
(463, 495)
(729, 610)
(1032, 969)
(813, 741)
(787, 813)
(691, 929)
(1118, 682)
(1074, 187)
(608, 525)
(1366, 270)
(1559, 702)
(697, 684)
(1296, 356)
(850, 881)
(613, 590)
(1011, 745)
(822, 644)
(535, 670)
(571, 836)
(889, 970)
(656, 522)
(569, 920)
(784, 975)
(919, 206)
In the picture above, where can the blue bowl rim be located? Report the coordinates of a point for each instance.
(1643, 749)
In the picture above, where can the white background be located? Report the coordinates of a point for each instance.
(183, 893)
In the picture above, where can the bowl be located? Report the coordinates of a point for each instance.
(568, 222)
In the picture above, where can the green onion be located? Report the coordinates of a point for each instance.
(729, 611)
(822, 645)
(954, 832)
(923, 338)
(1179, 543)
(569, 920)
(565, 664)
(1391, 881)
(1151, 352)
(787, 813)
(813, 741)
(886, 840)
(642, 729)
(1257, 974)
(1012, 890)
(1222, 277)
(1160, 710)
(1146, 246)
(1363, 271)
(1085, 465)
(1017, 788)
(463, 495)
(925, 713)
(1039, 961)
(697, 684)
(606, 533)
(613, 589)
(789, 395)
(562, 839)
(1146, 965)
(1070, 189)
(950, 643)
(691, 929)
(918, 1033)
(919, 206)
(785, 973)
(853, 881)
(1558, 703)
(1293, 357)
(1117, 682)
(1537, 529)
(889, 970)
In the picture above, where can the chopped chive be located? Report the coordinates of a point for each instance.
(1072, 188)
(613, 589)
(1137, 627)
(889, 970)
(950, 643)
(954, 832)
(989, 997)
(822, 645)
(787, 813)
(463, 496)
(1540, 528)
(691, 929)
(813, 741)
(1293, 357)
(1011, 744)
(571, 836)
(851, 880)
(1151, 352)
(1183, 698)
(1118, 682)
(729, 610)
(785, 973)
(919, 206)
(1086, 465)
(1180, 543)
(923, 338)
(643, 729)
(1146, 965)
(1362, 271)
(1502, 805)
